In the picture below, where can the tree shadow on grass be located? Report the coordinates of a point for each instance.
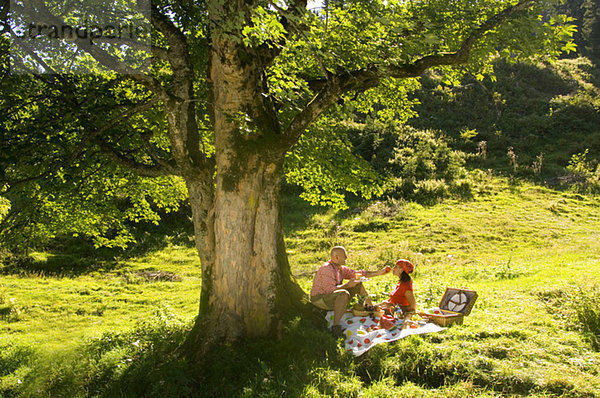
(69, 256)
(57, 265)
(307, 360)
(256, 367)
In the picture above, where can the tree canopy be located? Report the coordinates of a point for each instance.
(59, 174)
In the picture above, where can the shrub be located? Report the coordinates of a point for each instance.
(419, 164)
(588, 314)
(430, 190)
(424, 155)
(586, 173)
(462, 188)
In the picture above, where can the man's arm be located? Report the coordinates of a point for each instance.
(383, 271)
(351, 283)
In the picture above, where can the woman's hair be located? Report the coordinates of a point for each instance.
(404, 277)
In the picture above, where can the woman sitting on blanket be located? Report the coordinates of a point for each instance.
(402, 295)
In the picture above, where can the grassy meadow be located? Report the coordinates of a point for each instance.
(77, 326)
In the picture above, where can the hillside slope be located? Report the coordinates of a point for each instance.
(549, 109)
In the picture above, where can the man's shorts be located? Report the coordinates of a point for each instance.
(327, 301)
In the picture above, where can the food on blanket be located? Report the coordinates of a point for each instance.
(386, 322)
(369, 308)
(408, 324)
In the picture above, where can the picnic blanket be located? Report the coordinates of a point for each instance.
(361, 333)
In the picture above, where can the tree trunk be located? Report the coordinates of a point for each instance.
(248, 290)
(252, 283)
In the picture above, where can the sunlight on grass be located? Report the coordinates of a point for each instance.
(531, 253)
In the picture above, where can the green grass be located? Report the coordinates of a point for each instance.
(531, 253)
(57, 309)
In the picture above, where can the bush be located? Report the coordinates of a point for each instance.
(585, 173)
(533, 108)
(419, 164)
(588, 314)
(423, 155)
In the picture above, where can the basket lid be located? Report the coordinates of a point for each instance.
(458, 300)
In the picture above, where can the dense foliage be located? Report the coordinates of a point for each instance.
(529, 123)
(55, 176)
(587, 18)
(68, 142)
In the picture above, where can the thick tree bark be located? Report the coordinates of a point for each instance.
(251, 270)
(247, 287)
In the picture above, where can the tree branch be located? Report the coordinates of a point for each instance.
(37, 8)
(325, 98)
(85, 141)
(178, 53)
(129, 163)
(169, 166)
(332, 87)
(296, 9)
(157, 52)
(462, 55)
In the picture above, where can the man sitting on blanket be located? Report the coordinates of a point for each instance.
(329, 292)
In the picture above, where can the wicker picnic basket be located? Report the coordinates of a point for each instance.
(359, 310)
(454, 306)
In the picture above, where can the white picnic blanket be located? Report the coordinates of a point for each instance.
(361, 333)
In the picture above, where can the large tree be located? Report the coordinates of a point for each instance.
(235, 86)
